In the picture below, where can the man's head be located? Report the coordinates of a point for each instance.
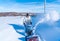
(27, 15)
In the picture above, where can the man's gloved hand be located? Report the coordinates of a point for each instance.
(31, 22)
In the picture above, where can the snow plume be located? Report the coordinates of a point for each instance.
(40, 21)
(51, 17)
(37, 24)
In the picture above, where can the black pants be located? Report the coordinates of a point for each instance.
(29, 32)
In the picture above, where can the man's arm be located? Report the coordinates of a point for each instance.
(30, 20)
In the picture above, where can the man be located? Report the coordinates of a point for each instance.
(28, 25)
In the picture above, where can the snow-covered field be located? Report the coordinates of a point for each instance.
(12, 29)
(7, 32)
(47, 27)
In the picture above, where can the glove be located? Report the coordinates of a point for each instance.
(31, 22)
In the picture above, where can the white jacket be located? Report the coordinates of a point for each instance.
(27, 20)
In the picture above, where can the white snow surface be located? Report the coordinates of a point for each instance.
(7, 32)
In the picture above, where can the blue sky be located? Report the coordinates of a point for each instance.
(29, 1)
(27, 5)
(21, 1)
